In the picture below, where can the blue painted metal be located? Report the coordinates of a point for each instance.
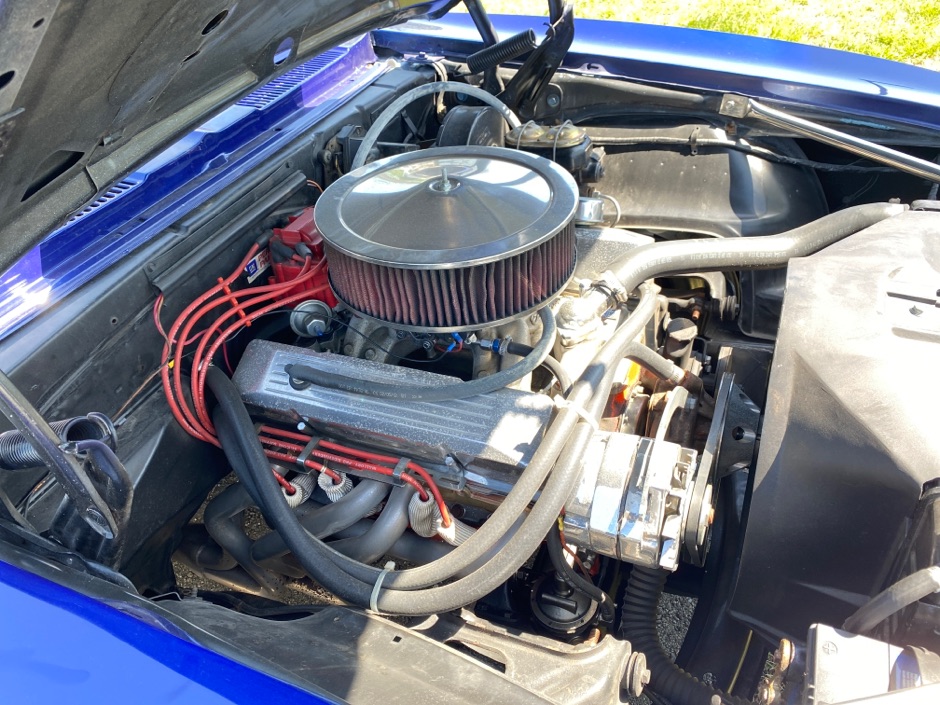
(877, 89)
(182, 177)
(60, 646)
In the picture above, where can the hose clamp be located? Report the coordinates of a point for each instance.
(562, 403)
(374, 598)
(613, 287)
(305, 454)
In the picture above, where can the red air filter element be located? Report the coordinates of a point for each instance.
(450, 238)
(468, 298)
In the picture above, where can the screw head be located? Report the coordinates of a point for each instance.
(96, 521)
(636, 675)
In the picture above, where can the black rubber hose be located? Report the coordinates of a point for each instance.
(654, 362)
(505, 519)
(638, 625)
(393, 110)
(231, 414)
(384, 532)
(533, 530)
(545, 512)
(661, 259)
(302, 376)
(535, 527)
(223, 521)
(245, 453)
(549, 363)
(578, 583)
(506, 50)
(715, 254)
(904, 592)
(227, 437)
(325, 520)
(310, 553)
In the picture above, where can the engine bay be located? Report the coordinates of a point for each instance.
(484, 389)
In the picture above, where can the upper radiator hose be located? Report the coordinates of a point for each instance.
(661, 259)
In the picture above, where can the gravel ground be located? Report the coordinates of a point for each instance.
(672, 619)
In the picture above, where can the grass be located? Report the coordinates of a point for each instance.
(901, 30)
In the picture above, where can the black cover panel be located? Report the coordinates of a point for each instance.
(358, 657)
(90, 88)
(850, 433)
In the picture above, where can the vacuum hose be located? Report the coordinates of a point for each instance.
(393, 111)
(302, 376)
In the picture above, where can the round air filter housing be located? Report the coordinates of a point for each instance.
(450, 238)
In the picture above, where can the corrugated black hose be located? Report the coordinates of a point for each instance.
(638, 625)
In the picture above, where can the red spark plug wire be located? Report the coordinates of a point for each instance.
(200, 400)
(348, 462)
(412, 466)
(265, 294)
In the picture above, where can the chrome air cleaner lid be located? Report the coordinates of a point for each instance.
(450, 239)
(447, 207)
